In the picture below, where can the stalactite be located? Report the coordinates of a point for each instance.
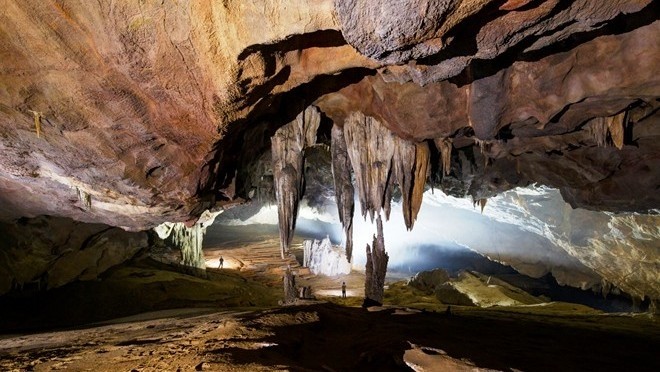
(188, 239)
(445, 146)
(379, 159)
(376, 268)
(370, 148)
(616, 126)
(344, 192)
(421, 170)
(288, 144)
(481, 202)
(411, 164)
(484, 146)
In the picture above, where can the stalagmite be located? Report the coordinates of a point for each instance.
(290, 292)
(370, 148)
(376, 269)
(445, 146)
(616, 126)
(344, 192)
(379, 159)
(288, 144)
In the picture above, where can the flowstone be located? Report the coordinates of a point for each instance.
(321, 257)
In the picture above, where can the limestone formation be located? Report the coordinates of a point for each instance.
(157, 111)
(288, 145)
(343, 183)
(321, 257)
(376, 268)
(290, 291)
(380, 160)
(188, 239)
(445, 146)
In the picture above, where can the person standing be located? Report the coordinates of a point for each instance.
(343, 289)
(221, 262)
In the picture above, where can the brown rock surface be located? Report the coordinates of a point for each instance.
(133, 113)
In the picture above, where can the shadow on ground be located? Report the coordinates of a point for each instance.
(347, 338)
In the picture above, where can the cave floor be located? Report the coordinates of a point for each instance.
(230, 321)
(327, 336)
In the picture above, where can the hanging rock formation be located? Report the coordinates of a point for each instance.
(189, 240)
(153, 110)
(379, 160)
(287, 148)
(344, 191)
(376, 268)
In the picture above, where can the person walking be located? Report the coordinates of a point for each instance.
(343, 289)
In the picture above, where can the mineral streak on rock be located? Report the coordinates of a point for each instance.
(288, 146)
(376, 267)
(344, 191)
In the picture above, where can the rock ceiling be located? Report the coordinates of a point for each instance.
(131, 113)
(147, 108)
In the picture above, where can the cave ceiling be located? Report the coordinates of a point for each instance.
(133, 113)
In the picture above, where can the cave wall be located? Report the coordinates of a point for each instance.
(48, 252)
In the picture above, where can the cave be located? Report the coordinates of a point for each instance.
(337, 185)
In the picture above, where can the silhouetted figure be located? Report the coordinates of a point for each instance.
(448, 311)
(343, 289)
(221, 262)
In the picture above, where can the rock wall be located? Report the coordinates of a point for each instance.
(48, 252)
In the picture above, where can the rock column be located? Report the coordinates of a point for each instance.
(288, 145)
(344, 191)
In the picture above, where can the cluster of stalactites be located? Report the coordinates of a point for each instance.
(288, 159)
(614, 125)
(344, 191)
(187, 239)
(445, 146)
(376, 267)
(379, 160)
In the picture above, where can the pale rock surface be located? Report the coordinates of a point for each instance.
(322, 258)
